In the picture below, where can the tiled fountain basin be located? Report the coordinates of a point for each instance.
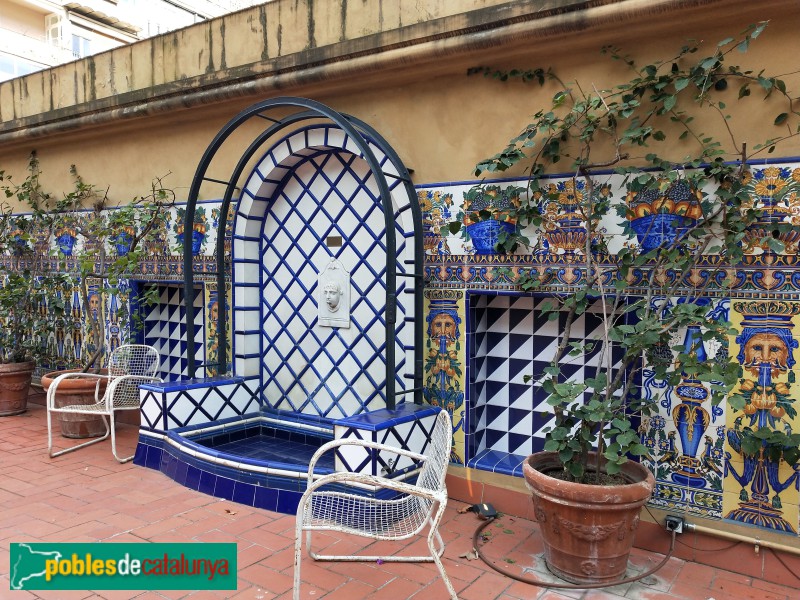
(261, 459)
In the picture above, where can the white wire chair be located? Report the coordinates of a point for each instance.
(396, 519)
(128, 366)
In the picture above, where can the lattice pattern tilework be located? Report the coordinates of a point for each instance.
(194, 405)
(152, 410)
(412, 435)
(310, 190)
(512, 338)
(165, 330)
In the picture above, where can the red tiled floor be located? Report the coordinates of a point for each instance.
(88, 496)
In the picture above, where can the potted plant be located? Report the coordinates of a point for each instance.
(643, 293)
(106, 246)
(26, 287)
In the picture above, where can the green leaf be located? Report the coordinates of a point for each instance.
(551, 445)
(681, 83)
(775, 245)
(781, 118)
(708, 63)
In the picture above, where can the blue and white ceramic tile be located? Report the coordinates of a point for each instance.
(306, 368)
(174, 404)
(165, 330)
(514, 339)
(686, 439)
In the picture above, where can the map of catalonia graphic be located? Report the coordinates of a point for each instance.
(30, 564)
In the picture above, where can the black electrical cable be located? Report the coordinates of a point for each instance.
(780, 560)
(567, 586)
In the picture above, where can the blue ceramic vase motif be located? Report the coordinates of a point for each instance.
(657, 230)
(485, 234)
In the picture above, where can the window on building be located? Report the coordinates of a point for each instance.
(13, 66)
(81, 46)
(54, 30)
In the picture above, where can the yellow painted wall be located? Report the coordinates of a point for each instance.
(418, 96)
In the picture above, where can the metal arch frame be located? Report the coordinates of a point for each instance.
(353, 127)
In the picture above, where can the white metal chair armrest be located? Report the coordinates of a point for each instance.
(51, 391)
(376, 481)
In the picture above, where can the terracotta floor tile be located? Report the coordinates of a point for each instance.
(87, 495)
(252, 593)
(403, 588)
(774, 587)
(249, 554)
(276, 582)
(352, 590)
(742, 591)
(368, 573)
(488, 586)
(643, 593)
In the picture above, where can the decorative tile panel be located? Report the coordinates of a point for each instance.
(686, 438)
(165, 330)
(445, 361)
(409, 428)
(556, 258)
(761, 488)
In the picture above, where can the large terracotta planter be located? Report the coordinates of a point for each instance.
(15, 382)
(77, 391)
(587, 530)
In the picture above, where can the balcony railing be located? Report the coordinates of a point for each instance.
(33, 48)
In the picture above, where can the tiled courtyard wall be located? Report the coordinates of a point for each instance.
(485, 336)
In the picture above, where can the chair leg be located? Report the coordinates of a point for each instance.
(298, 552)
(72, 448)
(114, 442)
(433, 536)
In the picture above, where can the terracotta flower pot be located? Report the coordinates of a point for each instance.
(587, 530)
(77, 391)
(15, 382)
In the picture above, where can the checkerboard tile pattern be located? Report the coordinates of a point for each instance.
(512, 338)
(165, 330)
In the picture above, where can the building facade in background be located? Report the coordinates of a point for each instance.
(37, 34)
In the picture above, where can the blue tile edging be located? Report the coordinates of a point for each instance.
(261, 484)
(382, 419)
(190, 384)
(153, 453)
